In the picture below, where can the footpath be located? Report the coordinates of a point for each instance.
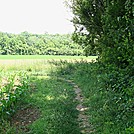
(83, 119)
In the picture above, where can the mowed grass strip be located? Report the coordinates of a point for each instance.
(54, 99)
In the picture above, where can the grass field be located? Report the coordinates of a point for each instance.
(25, 62)
(44, 57)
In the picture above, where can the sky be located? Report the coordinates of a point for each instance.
(35, 16)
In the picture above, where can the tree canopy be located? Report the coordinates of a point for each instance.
(105, 28)
(35, 44)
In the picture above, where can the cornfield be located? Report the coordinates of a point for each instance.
(12, 86)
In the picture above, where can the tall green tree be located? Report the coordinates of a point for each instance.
(105, 27)
(87, 22)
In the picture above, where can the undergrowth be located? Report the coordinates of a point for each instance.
(108, 93)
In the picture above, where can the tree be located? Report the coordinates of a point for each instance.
(87, 22)
(105, 27)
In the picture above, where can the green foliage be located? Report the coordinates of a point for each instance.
(108, 94)
(34, 44)
(11, 89)
(105, 27)
(117, 42)
(88, 23)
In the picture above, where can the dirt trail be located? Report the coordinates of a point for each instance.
(84, 125)
(23, 118)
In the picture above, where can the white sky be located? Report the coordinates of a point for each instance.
(35, 16)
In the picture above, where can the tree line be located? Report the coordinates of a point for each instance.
(38, 44)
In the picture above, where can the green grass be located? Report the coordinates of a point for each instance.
(45, 57)
(104, 110)
(52, 97)
(55, 98)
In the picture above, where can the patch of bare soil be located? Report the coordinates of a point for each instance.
(83, 119)
(25, 117)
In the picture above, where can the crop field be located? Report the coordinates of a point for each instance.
(28, 59)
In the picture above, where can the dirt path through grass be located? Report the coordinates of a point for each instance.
(54, 99)
(83, 119)
(52, 106)
(55, 106)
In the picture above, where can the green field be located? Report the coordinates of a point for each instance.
(51, 101)
(33, 100)
(44, 57)
(26, 62)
